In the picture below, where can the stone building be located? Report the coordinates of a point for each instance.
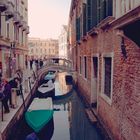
(104, 46)
(14, 31)
(42, 48)
(62, 39)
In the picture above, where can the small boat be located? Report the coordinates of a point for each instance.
(39, 113)
(50, 75)
(46, 90)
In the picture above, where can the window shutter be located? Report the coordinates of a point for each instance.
(78, 28)
(109, 8)
(84, 19)
(89, 15)
(94, 13)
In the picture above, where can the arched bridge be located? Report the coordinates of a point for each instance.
(56, 63)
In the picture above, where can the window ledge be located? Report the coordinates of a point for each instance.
(105, 23)
(93, 32)
(106, 98)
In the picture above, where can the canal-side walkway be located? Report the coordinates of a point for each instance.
(8, 118)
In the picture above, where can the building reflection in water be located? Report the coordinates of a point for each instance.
(60, 84)
(80, 127)
(70, 121)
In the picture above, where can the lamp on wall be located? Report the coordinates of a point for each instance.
(123, 48)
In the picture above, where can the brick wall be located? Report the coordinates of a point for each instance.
(122, 117)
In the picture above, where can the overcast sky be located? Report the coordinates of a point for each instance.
(46, 17)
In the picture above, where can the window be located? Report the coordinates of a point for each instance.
(95, 67)
(89, 17)
(107, 77)
(104, 9)
(84, 19)
(85, 66)
(80, 65)
(78, 29)
(7, 35)
(22, 37)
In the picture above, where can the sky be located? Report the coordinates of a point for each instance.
(46, 17)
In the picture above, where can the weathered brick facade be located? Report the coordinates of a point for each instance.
(119, 113)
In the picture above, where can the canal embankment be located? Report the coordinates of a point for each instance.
(8, 121)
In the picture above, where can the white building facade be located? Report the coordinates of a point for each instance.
(63, 42)
(121, 7)
(42, 48)
(14, 32)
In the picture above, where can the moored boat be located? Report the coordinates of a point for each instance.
(39, 113)
(46, 90)
(50, 75)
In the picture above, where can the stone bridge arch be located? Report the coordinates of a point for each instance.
(55, 63)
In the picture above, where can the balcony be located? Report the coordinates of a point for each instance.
(3, 5)
(12, 2)
(10, 9)
(16, 18)
(20, 24)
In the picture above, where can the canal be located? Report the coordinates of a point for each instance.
(69, 119)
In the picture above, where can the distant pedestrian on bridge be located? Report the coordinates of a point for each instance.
(41, 63)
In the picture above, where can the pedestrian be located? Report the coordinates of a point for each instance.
(14, 86)
(41, 63)
(1, 89)
(31, 64)
(26, 63)
(6, 95)
(36, 63)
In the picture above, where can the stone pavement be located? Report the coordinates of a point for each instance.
(26, 91)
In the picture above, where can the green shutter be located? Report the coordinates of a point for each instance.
(94, 13)
(89, 15)
(99, 11)
(109, 7)
(84, 19)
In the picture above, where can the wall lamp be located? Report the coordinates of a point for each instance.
(123, 48)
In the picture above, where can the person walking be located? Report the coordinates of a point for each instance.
(7, 93)
(26, 63)
(31, 64)
(41, 63)
(14, 85)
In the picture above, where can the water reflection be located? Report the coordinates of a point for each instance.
(69, 120)
(61, 88)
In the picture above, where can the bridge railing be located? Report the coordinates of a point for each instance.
(56, 64)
